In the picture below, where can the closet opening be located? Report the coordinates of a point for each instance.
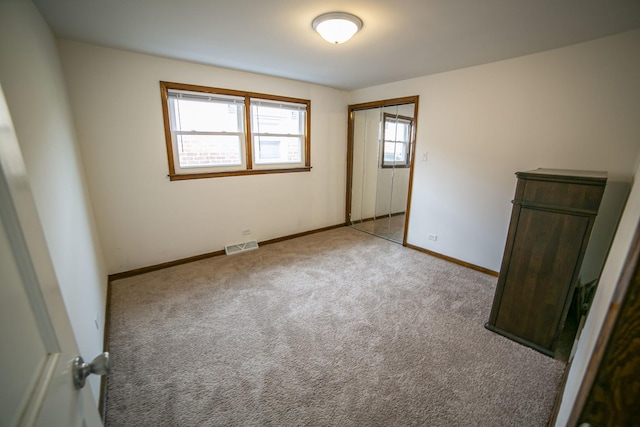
(380, 158)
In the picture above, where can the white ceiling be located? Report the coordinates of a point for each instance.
(400, 39)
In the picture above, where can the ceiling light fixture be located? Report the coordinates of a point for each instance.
(337, 27)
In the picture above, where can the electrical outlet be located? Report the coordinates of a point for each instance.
(246, 232)
(424, 156)
(433, 237)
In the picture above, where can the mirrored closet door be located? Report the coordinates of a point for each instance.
(380, 161)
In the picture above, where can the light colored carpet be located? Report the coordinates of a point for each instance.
(338, 328)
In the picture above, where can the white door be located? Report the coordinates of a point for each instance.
(37, 343)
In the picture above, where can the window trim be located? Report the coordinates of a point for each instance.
(384, 164)
(248, 143)
(256, 134)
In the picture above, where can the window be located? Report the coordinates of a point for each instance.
(208, 134)
(397, 132)
(277, 132)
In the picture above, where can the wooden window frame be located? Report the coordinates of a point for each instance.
(405, 164)
(248, 144)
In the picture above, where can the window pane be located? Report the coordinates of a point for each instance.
(394, 152)
(206, 116)
(396, 131)
(277, 149)
(277, 120)
(200, 151)
(402, 131)
(389, 130)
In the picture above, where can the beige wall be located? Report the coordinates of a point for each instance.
(143, 218)
(576, 107)
(34, 88)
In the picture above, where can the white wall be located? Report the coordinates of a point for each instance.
(575, 108)
(602, 300)
(33, 84)
(143, 218)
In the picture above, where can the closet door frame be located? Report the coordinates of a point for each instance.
(350, 146)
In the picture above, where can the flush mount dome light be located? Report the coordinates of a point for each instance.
(337, 27)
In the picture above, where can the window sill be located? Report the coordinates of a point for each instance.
(186, 176)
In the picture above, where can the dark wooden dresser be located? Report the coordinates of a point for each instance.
(551, 221)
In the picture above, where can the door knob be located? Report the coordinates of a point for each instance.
(81, 370)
